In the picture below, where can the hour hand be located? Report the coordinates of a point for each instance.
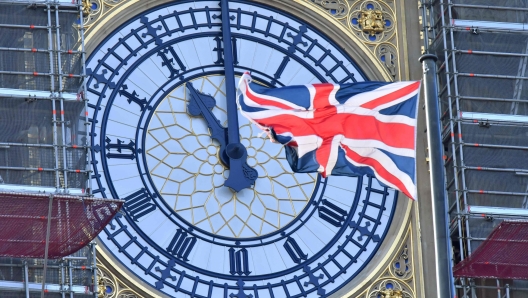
(201, 104)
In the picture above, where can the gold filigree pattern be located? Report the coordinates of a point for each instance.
(390, 288)
(185, 168)
(397, 280)
(373, 22)
(111, 287)
(402, 266)
(336, 8)
(94, 10)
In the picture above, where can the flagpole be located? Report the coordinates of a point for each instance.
(444, 282)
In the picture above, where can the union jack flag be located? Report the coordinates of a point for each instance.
(349, 129)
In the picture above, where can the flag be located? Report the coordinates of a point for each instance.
(346, 130)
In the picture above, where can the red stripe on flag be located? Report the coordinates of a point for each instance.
(352, 126)
(391, 96)
(265, 102)
(323, 155)
(380, 170)
(322, 95)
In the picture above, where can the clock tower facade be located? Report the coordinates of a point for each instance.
(182, 234)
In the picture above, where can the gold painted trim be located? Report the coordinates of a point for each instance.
(127, 276)
(104, 20)
(382, 70)
(400, 227)
(402, 26)
(379, 269)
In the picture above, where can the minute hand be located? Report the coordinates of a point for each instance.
(241, 175)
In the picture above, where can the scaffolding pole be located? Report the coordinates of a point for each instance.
(48, 228)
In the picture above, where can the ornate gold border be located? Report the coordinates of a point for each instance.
(392, 8)
(107, 261)
(348, 33)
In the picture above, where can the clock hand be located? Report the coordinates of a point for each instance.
(201, 104)
(241, 175)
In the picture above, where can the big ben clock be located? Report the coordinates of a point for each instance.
(160, 125)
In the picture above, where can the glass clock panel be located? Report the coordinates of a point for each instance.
(181, 230)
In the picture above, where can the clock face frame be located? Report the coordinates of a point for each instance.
(322, 248)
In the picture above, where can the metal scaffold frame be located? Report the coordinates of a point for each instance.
(62, 147)
(65, 272)
(442, 33)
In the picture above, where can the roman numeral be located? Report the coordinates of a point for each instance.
(169, 62)
(220, 50)
(133, 97)
(139, 204)
(235, 52)
(238, 262)
(293, 249)
(181, 245)
(332, 214)
(119, 147)
(280, 70)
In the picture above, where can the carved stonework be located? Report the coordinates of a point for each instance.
(94, 10)
(390, 288)
(109, 286)
(337, 8)
(388, 55)
(402, 266)
(373, 22)
(397, 280)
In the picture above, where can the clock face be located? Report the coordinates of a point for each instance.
(181, 230)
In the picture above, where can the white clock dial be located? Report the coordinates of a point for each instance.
(186, 170)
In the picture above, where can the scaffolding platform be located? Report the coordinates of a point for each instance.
(28, 229)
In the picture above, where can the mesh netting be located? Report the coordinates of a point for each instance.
(26, 140)
(502, 255)
(74, 223)
(25, 50)
(487, 14)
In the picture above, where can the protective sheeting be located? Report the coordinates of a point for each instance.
(75, 221)
(30, 153)
(502, 255)
(28, 60)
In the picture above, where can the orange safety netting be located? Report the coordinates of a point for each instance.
(75, 221)
(502, 255)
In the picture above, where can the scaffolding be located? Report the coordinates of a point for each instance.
(44, 137)
(71, 276)
(44, 144)
(482, 46)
